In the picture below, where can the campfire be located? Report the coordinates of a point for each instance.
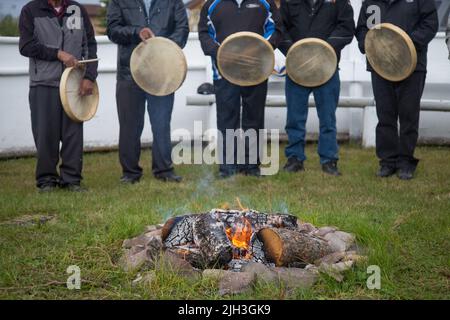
(236, 241)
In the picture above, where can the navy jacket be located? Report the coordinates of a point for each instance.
(418, 18)
(221, 18)
(329, 20)
(126, 18)
(43, 34)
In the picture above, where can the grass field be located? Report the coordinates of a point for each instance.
(403, 226)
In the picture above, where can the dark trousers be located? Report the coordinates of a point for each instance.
(326, 97)
(229, 116)
(131, 103)
(398, 102)
(51, 126)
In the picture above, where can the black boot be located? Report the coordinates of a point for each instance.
(405, 173)
(331, 168)
(386, 171)
(129, 180)
(293, 165)
(169, 176)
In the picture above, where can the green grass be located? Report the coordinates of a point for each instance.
(403, 226)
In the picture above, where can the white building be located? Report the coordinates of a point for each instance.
(103, 130)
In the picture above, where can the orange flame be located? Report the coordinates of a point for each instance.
(241, 235)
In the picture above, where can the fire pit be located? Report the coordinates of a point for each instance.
(229, 239)
(236, 241)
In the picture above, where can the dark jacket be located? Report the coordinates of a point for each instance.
(418, 18)
(43, 34)
(221, 18)
(329, 20)
(126, 18)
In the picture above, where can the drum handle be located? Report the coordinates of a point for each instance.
(88, 61)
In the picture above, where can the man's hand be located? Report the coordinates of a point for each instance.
(68, 59)
(146, 34)
(86, 88)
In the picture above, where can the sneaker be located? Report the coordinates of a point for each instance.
(169, 176)
(129, 180)
(293, 165)
(47, 187)
(405, 173)
(331, 168)
(386, 171)
(253, 172)
(73, 187)
(225, 174)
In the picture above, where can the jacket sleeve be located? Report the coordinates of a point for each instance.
(361, 27)
(273, 28)
(286, 40)
(428, 25)
(117, 30)
(29, 45)
(89, 47)
(344, 31)
(205, 32)
(181, 29)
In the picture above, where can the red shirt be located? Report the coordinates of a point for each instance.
(63, 7)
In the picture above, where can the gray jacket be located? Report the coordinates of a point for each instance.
(126, 18)
(43, 33)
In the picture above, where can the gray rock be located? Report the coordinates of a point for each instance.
(132, 261)
(331, 258)
(335, 270)
(142, 240)
(145, 279)
(169, 261)
(236, 282)
(321, 232)
(263, 273)
(29, 220)
(339, 240)
(294, 278)
(154, 247)
(151, 228)
(306, 227)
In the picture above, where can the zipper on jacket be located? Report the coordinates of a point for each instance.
(61, 23)
(35, 66)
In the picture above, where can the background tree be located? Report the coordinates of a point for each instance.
(9, 26)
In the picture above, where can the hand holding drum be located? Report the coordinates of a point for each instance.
(390, 52)
(245, 59)
(311, 62)
(158, 65)
(79, 99)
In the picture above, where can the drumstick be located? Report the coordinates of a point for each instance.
(88, 61)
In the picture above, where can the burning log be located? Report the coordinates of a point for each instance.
(178, 231)
(286, 247)
(191, 254)
(211, 238)
(257, 220)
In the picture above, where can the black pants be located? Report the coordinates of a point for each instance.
(228, 100)
(398, 102)
(131, 101)
(50, 126)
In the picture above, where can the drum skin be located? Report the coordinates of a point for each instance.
(390, 52)
(78, 108)
(311, 62)
(245, 59)
(158, 66)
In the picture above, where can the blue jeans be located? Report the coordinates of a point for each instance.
(131, 105)
(326, 97)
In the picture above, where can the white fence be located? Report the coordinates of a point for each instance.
(102, 131)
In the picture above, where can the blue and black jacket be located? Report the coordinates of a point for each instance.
(221, 18)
